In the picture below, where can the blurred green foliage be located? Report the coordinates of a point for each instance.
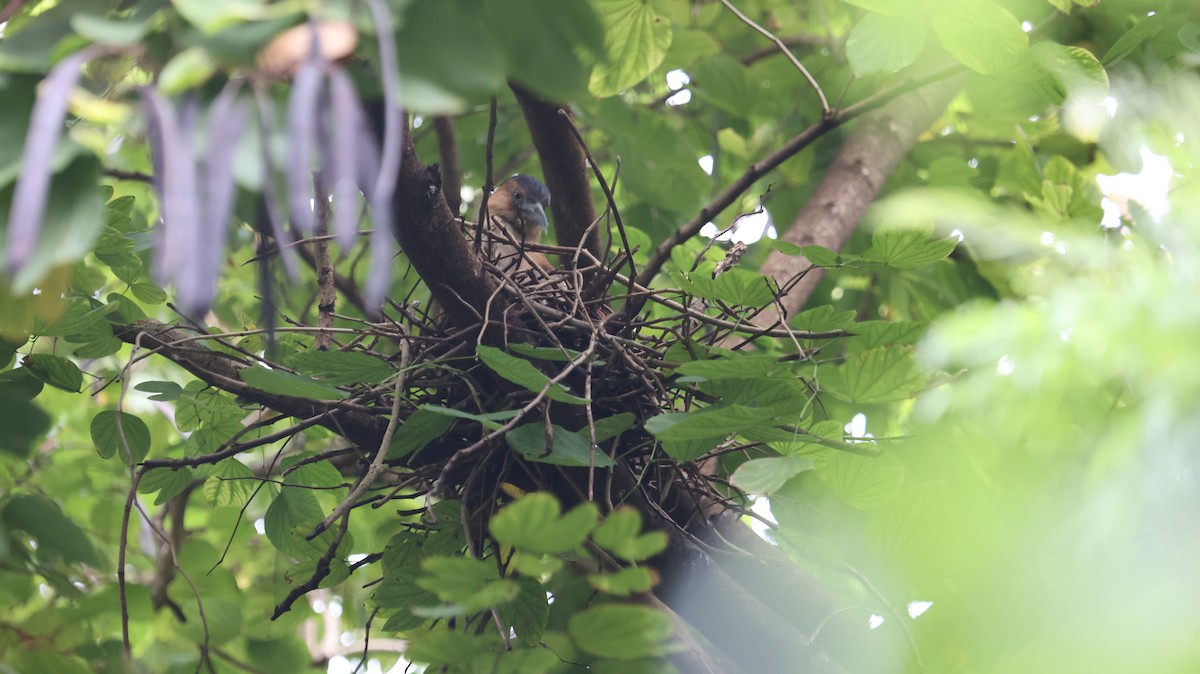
(1027, 464)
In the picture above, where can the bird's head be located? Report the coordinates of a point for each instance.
(521, 201)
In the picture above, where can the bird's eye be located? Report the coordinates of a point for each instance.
(517, 196)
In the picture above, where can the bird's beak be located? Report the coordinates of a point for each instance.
(536, 214)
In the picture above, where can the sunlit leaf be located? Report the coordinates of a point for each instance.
(909, 247)
(120, 434)
(880, 43)
(862, 482)
(764, 476)
(636, 38)
(621, 631)
(878, 375)
(231, 484)
(980, 34)
(533, 523)
(625, 582)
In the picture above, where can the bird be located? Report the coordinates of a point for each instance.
(516, 213)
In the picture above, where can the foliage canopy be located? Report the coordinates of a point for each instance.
(242, 430)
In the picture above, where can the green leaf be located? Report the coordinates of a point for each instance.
(468, 583)
(543, 352)
(736, 286)
(909, 531)
(707, 422)
(126, 310)
(610, 427)
(521, 372)
(529, 612)
(568, 448)
(873, 334)
(148, 293)
(55, 533)
(876, 376)
(165, 391)
(56, 371)
(980, 34)
(690, 450)
(1145, 29)
(445, 647)
(99, 347)
(1189, 36)
(33, 48)
(288, 384)
(419, 429)
(862, 482)
(293, 509)
(316, 474)
(120, 434)
(823, 319)
(168, 482)
(487, 420)
(340, 368)
(549, 65)
(765, 476)
(734, 365)
(724, 82)
(621, 631)
(636, 38)
(625, 582)
(821, 256)
(232, 483)
(211, 16)
(532, 523)
(905, 247)
(199, 406)
(619, 533)
(21, 384)
(879, 43)
(22, 422)
(1056, 71)
(186, 70)
(471, 61)
(113, 32)
(890, 7)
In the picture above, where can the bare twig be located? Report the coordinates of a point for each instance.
(608, 194)
(451, 165)
(836, 118)
(784, 48)
(489, 181)
(326, 294)
(376, 466)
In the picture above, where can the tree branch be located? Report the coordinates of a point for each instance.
(430, 235)
(851, 185)
(451, 166)
(564, 168)
(757, 170)
(220, 370)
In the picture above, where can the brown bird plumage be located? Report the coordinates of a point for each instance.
(516, 218)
